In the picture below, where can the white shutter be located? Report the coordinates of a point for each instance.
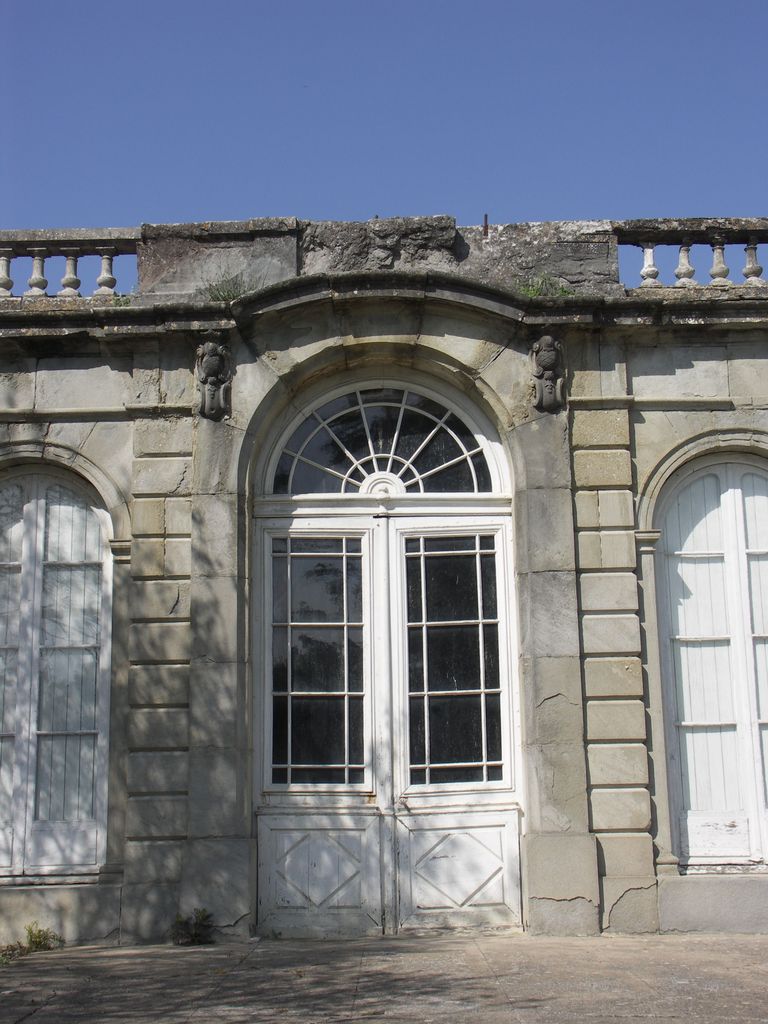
(11, 530)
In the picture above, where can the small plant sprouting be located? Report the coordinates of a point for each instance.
(195, 930)
(541, 286)
(38, 940)
(226, 289)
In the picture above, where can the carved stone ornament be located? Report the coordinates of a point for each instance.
(547, 376)
(214, 371)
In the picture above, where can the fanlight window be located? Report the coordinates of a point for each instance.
(398, 440)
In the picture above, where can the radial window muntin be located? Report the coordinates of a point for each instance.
(385, 439)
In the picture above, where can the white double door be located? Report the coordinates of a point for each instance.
(387, 791)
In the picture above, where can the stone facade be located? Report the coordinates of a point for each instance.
(117, 392)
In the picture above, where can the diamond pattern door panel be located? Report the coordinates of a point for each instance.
(318, 875)
(456, 869)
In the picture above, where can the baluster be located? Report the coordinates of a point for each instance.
(106, 279)
(6, 284)
(684, 270)
(718, 271)
(70, 283)
(752, 270)
(650, 271)
(37, 282)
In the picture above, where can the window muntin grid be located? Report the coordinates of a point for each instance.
(454, 689)
(317, 661)
(412, 440)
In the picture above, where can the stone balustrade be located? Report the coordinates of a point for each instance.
(719, 236)
(72, 245)
(218, 261)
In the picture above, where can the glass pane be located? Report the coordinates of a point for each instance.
(282, 474)
(356, 776)
(451, 584)
(317, 731)
(279, 545)
(432, 544)
(488, 577)
(317, 659)
(324, 450)
(453, 478)
(317, 545)
(414, 429)
(413, 587)
(279, 589)
(355, 730)
(464, 774)
(353, 545)
(491, 656)
(426, 405)
(350, 430)
(318, 776)
(382, 423)
(70, 605)
(317, 593)
(453, 658)
(455, 729)
(280, 730)
(354, 590)
(416, 730)
(280, 658)
(337, 405)
(67, 696)
(495, 773)
(72, 531)
(440, 449)
(279, 775)
(493, 726)
(418, 776)
(482, 472)
(314, 480)
(415, 660)
(355, 659)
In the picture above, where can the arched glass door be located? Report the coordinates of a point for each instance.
(387, 784)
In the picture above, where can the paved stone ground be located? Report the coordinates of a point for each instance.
(457, 979)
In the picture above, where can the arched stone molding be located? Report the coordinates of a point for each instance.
(107, 493)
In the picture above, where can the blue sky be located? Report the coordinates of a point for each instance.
(171, 110)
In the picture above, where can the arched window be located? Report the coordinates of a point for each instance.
(386, 651)
(55, 611)
(715, 612)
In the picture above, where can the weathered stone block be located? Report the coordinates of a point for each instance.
(158, 728)
(615, 720)
(709, 903)
(610, 634)
(147, 557)
(213, 874)
(148, 911)
(79, 913)
(154, 816)
(548, 517)
(178, 557)
(617, 508)
(81, 382)
(160, 599)
(163, 477)
(215, 618)
(625, 855)
(215, 705)
(557, 786)
(153, 860)
(216, 806)
(215, 535)
(178, 516)
(613, 677)
(171, 435)
(561, 866)
(590, 552)
(160, 641)
(549, 619)
(158, 684)
(594, 468)
(608, 591)
(553, 712)
(617, 549)
(620, 810)
(617, 764)
(155, 771)
(629, 905)
(148, 517)
(600, 428)
(587, 509)
(677, 370)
